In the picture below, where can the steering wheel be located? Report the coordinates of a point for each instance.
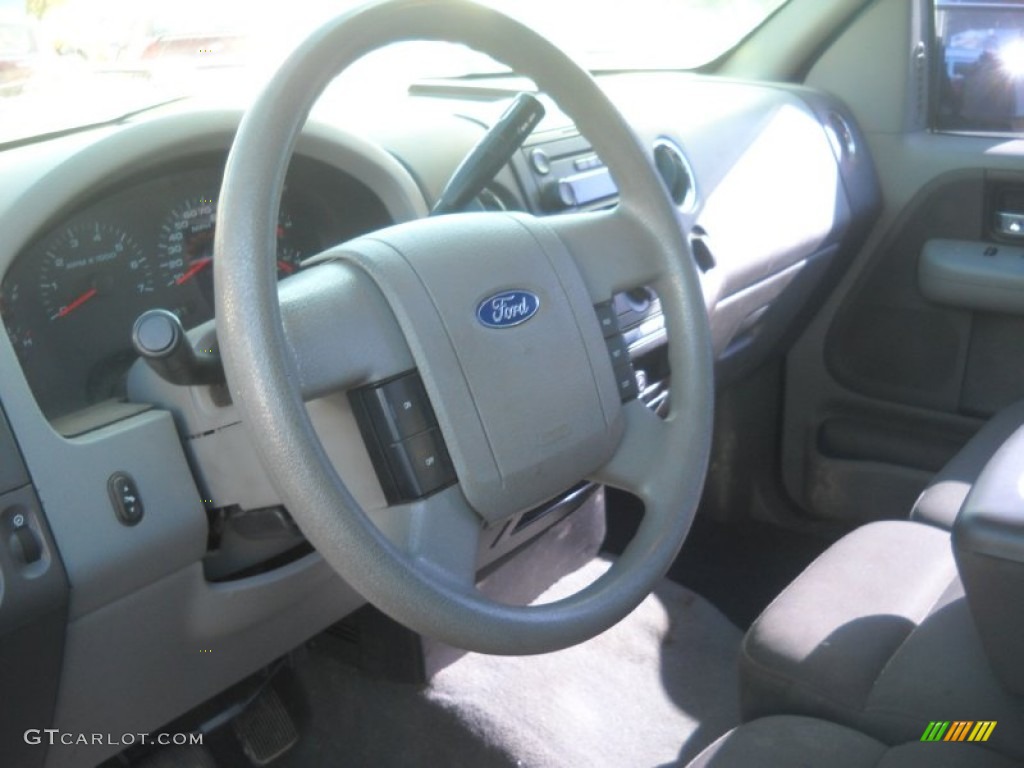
(525, 411)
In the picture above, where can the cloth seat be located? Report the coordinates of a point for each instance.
(801, 742)
(940, 502)
(877, 634)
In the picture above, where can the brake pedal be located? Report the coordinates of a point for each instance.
(265, 729)
(191, 756)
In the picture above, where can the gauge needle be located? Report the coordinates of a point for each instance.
(194, 270)
(285, 267)
(67, 309)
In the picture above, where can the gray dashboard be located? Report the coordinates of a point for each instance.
(781, 186)
(782, 191)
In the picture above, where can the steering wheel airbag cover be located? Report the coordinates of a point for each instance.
(526, 410)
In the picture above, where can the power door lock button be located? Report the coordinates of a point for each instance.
(124, 495)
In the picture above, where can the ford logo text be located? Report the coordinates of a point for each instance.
(507, 309)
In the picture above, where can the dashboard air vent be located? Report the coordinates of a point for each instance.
(675, 171)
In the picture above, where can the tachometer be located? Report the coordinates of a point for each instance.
(89, 264)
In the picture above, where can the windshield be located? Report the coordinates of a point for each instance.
(70, 63)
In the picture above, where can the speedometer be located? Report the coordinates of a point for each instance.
(185, 246)
(87, 266)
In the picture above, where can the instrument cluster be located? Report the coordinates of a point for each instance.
(69, 301)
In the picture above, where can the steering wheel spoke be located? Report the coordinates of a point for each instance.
(333, 295)
(612, 249)
(440, 533)
(631, 468)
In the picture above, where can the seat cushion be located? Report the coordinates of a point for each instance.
(876, 634)
(941, 501)
(795, 742)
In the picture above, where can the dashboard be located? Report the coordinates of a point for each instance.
(70, 299)
(101, 225)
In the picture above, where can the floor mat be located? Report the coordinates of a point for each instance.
(652, 691)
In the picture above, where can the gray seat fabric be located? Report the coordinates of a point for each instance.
(941, 501)
(876, 634)
(799, 742)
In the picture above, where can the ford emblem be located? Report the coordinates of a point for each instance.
(507, 309)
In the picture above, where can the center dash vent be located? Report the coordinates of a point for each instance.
(676, 172)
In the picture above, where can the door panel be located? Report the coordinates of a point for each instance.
(885, 385)
(890, 342)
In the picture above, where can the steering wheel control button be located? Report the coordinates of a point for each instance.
(400, 408)
(421, 465)
(607, 318)
(400, 430)
(617, 350)
(618, 353)
(625, 380)
(125, 497)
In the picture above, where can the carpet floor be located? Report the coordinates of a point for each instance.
(652, 691)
